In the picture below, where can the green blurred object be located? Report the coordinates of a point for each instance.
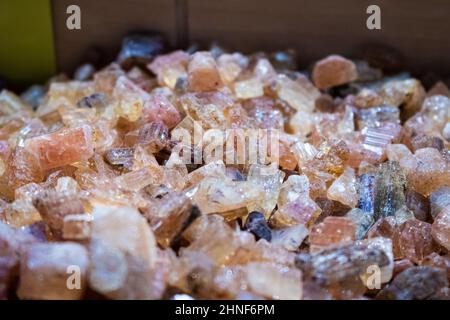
(26, 41)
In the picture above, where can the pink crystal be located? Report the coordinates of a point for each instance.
(332, 71)
(62, 147)
(202, 72)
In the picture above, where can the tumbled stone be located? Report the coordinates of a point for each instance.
(53, 271)
(332, 71)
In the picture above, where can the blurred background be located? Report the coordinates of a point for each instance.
(35, 42)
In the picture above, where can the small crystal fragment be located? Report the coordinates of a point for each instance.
(63, 147)
(332, 71)
(403, 214)
(439, 199)
(290, 238)
(339, 269)
(247, 89)
(440, 230)
(416, 283)
(366, 193)
(363, 221)
(77, 227)
(344, 189)
(275, 282)
(169, 216)
(140, 49)
(257, 225)
(418, 204)
(300, 94)
(332, 231)
(53, 207)
(153, 136)
(389, 190)
(51, 262)
(120, 157)
(416, 241)
(202, 72)
(123, 254)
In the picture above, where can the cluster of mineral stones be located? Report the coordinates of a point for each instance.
(97, 203)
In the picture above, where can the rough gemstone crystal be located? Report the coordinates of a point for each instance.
(120, 157)
(439, 199)
(169, 216)
(123, 253)
(46, 268)
(290, 238)
(403, 214)
(63, 147)
(275, 282)
(247, 89)
(344, 189)
(389, 190)
(440, 230)
(332, 231)
(416, 283)
(140, 48)
(77, 227)
(257, 225)
(426, 170)
(339, 269)
(416, 241)
(363, 221)
(332, 71)
(300, 94)
(54, 206)
(202, 72)
(366, 191)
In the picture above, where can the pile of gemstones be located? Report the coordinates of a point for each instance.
(97, 200)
